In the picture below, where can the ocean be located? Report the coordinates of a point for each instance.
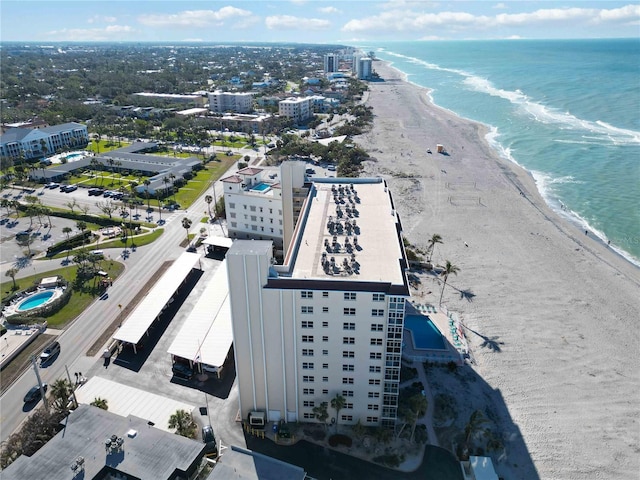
(568, 111)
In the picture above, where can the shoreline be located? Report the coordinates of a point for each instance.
(550, 311)
(569, 216)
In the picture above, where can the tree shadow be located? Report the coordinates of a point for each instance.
(492, 343)
(467, 294)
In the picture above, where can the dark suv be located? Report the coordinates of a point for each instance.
(50, 352)
(209, 439)
(181, 370)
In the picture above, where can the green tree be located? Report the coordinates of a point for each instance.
(67, 231)
(100, 403)
(474, 426)
(418, 405)
(146, 183)
(448, 269)
(61, 391)
(12, 272)
(337, 403)
(186, 224)
(208, 199)
(182, 422)
(321, 414)
(431, 244)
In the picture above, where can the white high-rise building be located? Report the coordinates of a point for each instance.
(237, 102)
(331, 63)
(362, 67)
(329, 320)
(298, 109)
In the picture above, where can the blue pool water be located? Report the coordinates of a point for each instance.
(35, 301)
(74, 155)
(426, 335)
(261, 187)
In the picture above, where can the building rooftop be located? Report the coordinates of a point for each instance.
(240, 464)
(249, 171)
(349, 232)
(145, 453)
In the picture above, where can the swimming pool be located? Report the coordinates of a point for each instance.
(76, 156)
(35, 300)
(261, 187)
(425, 334)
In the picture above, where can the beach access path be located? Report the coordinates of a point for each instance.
(551, 313)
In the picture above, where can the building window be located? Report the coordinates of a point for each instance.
(271, 210)
(308, 378)
(325, 338)
(307, 365)
(374, 394)
(348, 354)
(349, 311)
(308, 416)
(232, 205)
(325, 310)
(308, 403)
(308, 391)
(307, 338)
(232, 214)
(325, 366)
(306, 294)
(377, 312)
(253, 218)
(325, 324)
(348, 326)
(307, 309)
(325, 391)
(325, 294)
(325, 379)
(348, 368)
(348, 406)
(254, 228)
(372, 419)
(307, 352)
(376, 327)
(347, 380)
(325, 352)
(349, 296)
(374, 381)
(347, 418)
(376, 341)
(252, 208)
(347, 393)
(374, 369)
(234, 224)
(378, 297)
(348, 340)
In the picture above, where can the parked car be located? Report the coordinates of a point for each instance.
(209, 439)
(182, 371)
(331, 168)
(34, 393)
(95, 191)
(52, 185)
(68, 188)
(51, 351)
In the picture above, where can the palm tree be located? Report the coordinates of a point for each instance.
(100, 403)
(12, 272)
(186, 224)
(61, 390)
(418, 406)
(337, 403)
(447, 269)
(321, 414)
(147, 182)
(475, 425)
(173, 183)
(431, 244)
(208, 199)
(183, 423)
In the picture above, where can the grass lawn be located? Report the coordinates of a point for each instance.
(80, 299)
(105, 146)
(199, 184)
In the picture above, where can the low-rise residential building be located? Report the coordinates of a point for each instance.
(298, 109)
(30, 143)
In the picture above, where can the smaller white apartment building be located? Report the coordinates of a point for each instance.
(298, 109)
(237, 102)
(256, 207)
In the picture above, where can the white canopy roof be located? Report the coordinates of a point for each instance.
(150, 307)
(218, 241)
(206, 335)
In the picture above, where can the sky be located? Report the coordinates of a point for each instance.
(312, 21)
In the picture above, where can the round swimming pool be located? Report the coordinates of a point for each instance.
(35, 300)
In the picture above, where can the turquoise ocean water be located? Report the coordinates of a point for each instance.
(566, 110)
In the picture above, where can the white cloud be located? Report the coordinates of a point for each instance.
(500, 6)
(289, 22)
(194, 18)
(329, 10)
(298, 2)
(109, 33)
(102, 19)
(404, 20)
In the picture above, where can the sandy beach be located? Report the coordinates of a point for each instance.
(550, 311)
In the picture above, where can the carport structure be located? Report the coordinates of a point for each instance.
(150, 308)
(206, 336)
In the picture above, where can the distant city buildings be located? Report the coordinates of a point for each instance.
(28, 143)
(236, 102)
(297, 109)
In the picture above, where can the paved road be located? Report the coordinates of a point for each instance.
(87, 328)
